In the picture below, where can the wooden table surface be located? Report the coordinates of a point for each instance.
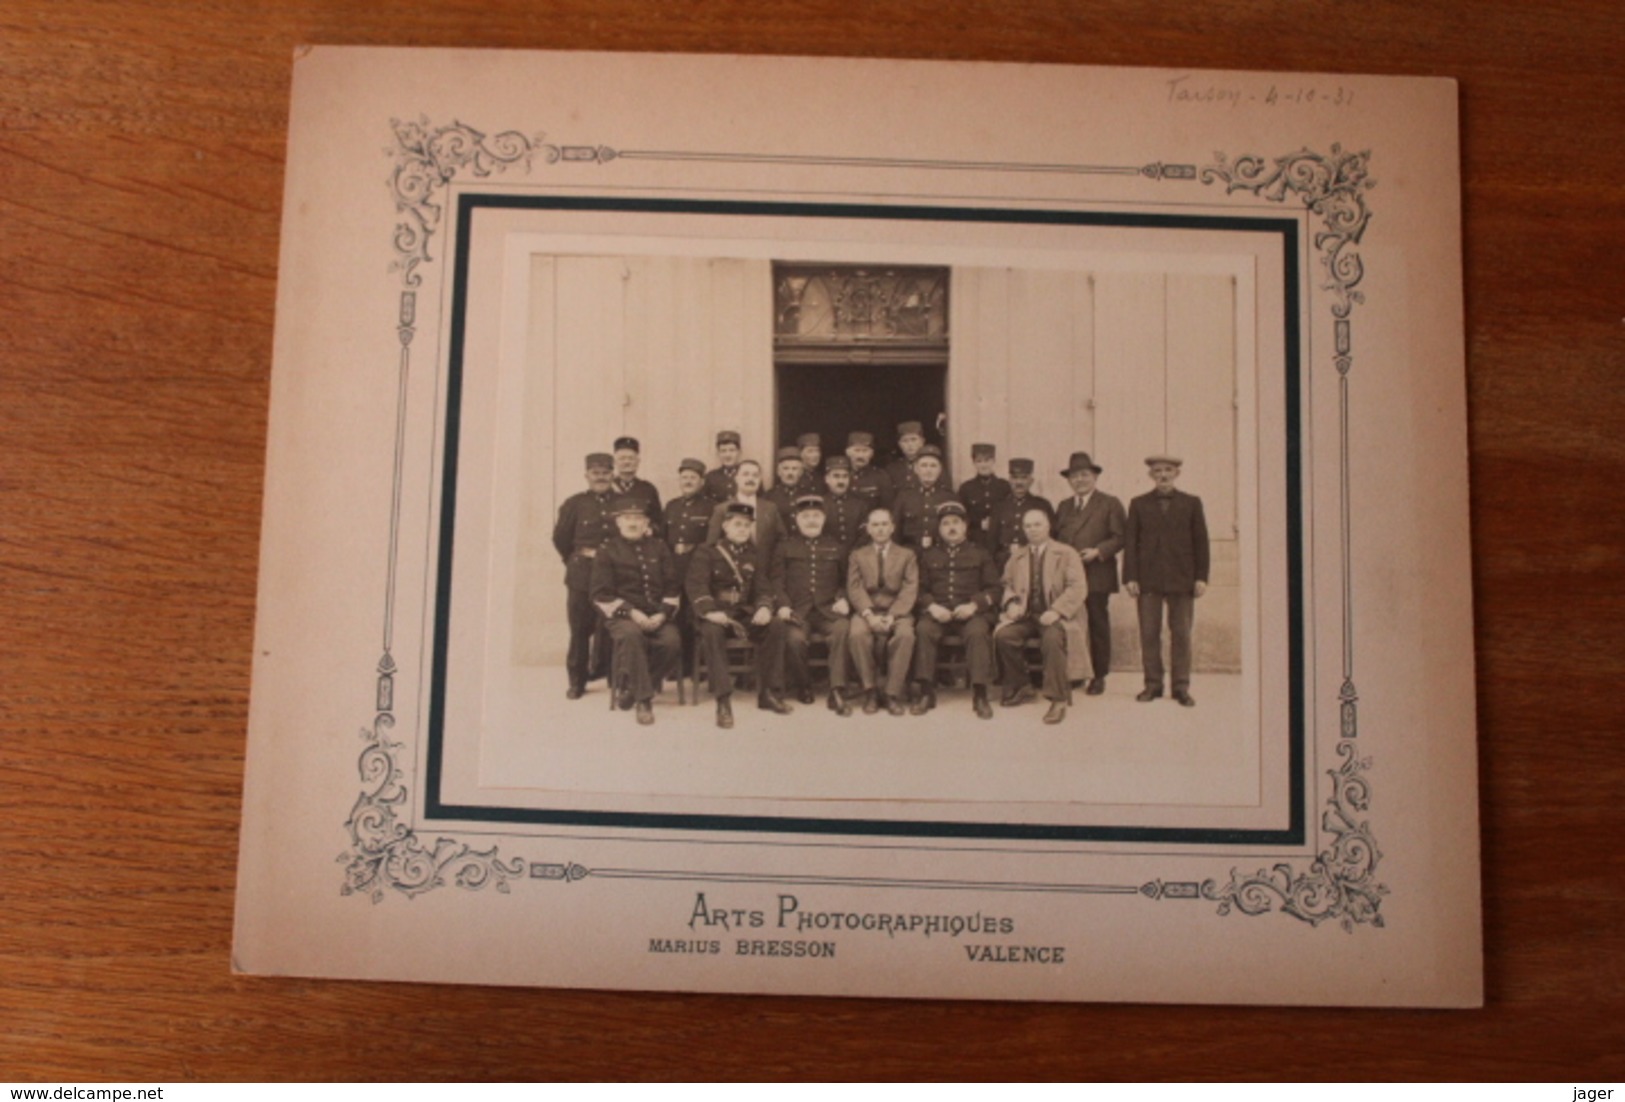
(141, 157)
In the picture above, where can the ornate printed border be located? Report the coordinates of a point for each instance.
(387, 855)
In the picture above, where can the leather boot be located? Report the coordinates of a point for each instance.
(725, 712)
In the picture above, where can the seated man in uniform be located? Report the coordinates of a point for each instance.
(1044, 591)
(732, 594)
(915, 505)
(982, 494)
(583, 525)
(809, 578)
(882, 583)
(845, 512)
(959, 589)
(688, 516)
(719, 481)
(635, 586)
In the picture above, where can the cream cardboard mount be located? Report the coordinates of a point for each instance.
(496, 263)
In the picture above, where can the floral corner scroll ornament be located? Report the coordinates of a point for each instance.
(385, 853)
(426, 160)
(1333, 186)
(1341, 881)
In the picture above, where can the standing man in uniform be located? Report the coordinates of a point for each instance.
(845, 512)
(582, 527)
(811, 446)
(1044, 591)
(1093, 523)
(688, 516)
(915, 506)
(910, 439)
(635, 586)
(628, 484)
(732, 594)
(747, 491)
(882, 584)
(960, 590)
(1008, 530)
(1165, 564)
(868, 481)
(787, 474)
(719, 481)
(809, 580)
(981, 494)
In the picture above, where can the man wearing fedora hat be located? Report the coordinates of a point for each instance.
(1093, 523)
(636, 588)
(1165, 565)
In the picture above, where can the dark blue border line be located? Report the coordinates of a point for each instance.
(1286, 229)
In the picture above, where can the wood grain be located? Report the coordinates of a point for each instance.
(140, 180)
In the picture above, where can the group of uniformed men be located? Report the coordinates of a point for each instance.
(884, 564)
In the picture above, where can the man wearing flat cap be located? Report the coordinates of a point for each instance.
(688, 516)
(635, 586)
(959, 596)
(719, 481)
(1165, 566)
(981, 494)
(627, 483)
(868, 481)
(915, 505)
(732, 596)
(809, 579)
(1093, 522)
(1008, 530)
(583, 524)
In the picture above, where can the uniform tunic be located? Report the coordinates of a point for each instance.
(981, 495)
(844, 518)
(809, 576)
(719, 483)
(728, 578)
(645, 492)
(686, 521)
(873, 485)
(583, 525)
(915, 508)
(637, 574)
(950, 577)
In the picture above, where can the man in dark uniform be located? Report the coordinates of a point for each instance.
(915, 506)
(959, 590)
(1006, 524)
(1093, 522)
(1165, 563)
(719, 481)
(809, 580)
(844, 511)
(732, 594)
(787, 473)
(868, 481)
(635, 586)
(628, 484)
(582, 527)
(982, 494)
(687, 517)
(812, 464)
(910, 439)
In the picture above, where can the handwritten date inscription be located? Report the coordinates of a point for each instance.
(1196, 90)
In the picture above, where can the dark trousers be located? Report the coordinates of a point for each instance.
(580, 662)
(769, 641)
(1100, 633)
(642, 659)
(796, 638)
(977, 634)
(1181, 616)
(1010, 639)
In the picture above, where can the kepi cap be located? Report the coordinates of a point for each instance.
(860, 440)
(739, 509)
(691, 465)
(809, 440)
(727, 436)
(950, 509)
(910, 428)
(625, 504)
(837, 463)
(626, 444)
(983, 451)
(789, 452)
(930, 449)
(809, 501)
(600, 459)
(1021, 466)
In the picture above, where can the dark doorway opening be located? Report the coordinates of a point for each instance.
(833, 399)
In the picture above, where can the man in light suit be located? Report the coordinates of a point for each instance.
(1044, 592)
(882, 584)
(1165, 563)
(1092, 523)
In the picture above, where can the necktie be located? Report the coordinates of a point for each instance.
(1038, 604)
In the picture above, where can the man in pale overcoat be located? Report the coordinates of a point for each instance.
(1044, 592)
